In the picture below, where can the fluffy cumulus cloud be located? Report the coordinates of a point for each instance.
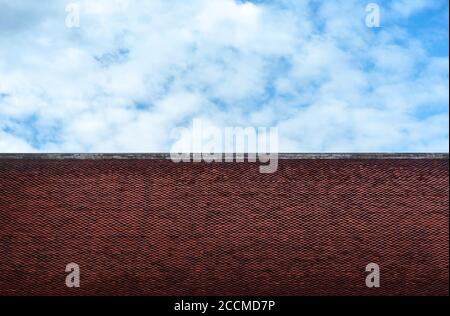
(133, 71)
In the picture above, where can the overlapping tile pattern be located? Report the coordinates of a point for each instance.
(153, 227)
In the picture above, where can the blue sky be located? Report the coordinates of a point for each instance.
(134, 71)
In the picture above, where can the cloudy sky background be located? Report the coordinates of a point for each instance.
(135, 70)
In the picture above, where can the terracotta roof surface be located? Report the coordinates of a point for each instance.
(139, 226)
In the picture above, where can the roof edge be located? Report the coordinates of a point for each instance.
(165, 156)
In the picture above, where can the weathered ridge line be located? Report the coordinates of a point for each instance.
(163, 156)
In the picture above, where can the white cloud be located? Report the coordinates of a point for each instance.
(407, 8)
(135, 70)
(11, 144)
